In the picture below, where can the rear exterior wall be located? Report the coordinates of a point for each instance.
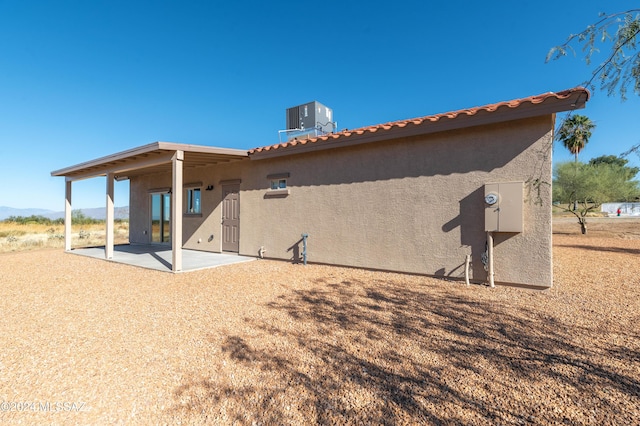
(412, 205)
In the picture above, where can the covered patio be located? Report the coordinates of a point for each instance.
(157, 157)
(159, 257)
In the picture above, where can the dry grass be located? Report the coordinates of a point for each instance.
(18, 237)
(272, 343)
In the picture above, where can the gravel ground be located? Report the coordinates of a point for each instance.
(267, 342)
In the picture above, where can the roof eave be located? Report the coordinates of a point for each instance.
(575, 100)
(146, 149)
(107, 159)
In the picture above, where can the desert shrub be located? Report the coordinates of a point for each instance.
(79, 218)
(28, 220)
(12, 233)
(32, 243)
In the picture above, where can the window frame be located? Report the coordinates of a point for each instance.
(278, 185)
(190, 200)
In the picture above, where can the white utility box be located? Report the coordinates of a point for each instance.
(503, 207)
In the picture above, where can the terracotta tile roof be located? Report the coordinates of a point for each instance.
(431, 119)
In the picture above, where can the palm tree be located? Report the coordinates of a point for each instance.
(575, 132)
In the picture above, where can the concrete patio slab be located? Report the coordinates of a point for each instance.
(158, 257)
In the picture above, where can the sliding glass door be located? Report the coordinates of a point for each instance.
(160, 218)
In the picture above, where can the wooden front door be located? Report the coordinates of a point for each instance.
(231, 218)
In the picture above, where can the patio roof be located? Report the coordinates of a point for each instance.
(150, 158)
(156, 157)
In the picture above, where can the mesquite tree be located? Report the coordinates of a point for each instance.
(621, 66)
(587, 186)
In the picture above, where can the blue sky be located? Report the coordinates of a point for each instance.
(83, 79)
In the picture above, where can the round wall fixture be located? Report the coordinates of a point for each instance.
(491, 198)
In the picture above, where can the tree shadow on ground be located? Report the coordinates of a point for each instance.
(602, 248)
(375, 352)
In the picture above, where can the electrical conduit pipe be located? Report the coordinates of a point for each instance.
(490, 258)
(466, 269)
(304, 248)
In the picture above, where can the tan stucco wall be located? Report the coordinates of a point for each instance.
(200, 232)
(412, 205)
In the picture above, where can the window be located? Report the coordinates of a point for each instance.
(193, 201)
(278, 184)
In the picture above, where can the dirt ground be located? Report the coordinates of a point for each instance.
(86, 341)
(607, 227)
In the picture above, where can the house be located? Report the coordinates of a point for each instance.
(415, 196)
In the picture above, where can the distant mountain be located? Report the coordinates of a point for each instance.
(5, 212)
(101, 213)
(96, 213)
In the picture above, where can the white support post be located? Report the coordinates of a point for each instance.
(176, 212)
(67, 215)
(108, 247)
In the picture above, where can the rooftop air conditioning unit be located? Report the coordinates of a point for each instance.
(312, 115)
